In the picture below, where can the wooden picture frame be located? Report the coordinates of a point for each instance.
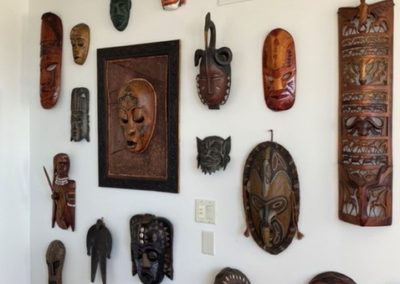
(121, 72)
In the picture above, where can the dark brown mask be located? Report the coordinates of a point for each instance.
(80, 114)
(172, 4)
(55, 256)
(214, 80)
(50, 59)
(331, 278)
(279, 70)
(271, 196)
(213, 153)
(231, 276)
(80, 41)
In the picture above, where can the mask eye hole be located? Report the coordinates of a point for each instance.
(51, 67)
(286, 76)
(138, 116)
(152, 255)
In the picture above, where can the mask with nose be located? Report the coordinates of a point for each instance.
(213, 153)
(231, 276)
(80, 41)
(80, 114)
(55, 256)
(119, 13)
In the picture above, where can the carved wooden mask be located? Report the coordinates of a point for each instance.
(331, 278)
(80, 41)
(55, 256)
(80, 114)
(271, 197)
(119, 13)
(151, 248)
(365, 103)
(51, 41)
(213, 153)
(172, 4)
(214, 80)
(279, 70)
(231, 276)
(137, 105)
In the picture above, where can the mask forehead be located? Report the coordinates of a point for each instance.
(279, 50)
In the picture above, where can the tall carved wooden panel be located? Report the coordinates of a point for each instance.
(365, 106)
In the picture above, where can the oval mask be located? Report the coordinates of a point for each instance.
(331, 278)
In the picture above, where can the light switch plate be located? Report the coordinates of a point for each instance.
(205, 211)
(207, 243)
(226, 2)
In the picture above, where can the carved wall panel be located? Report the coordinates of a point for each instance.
(365, 105)
(332, 278)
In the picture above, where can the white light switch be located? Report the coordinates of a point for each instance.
(207, 243)
(205, 211)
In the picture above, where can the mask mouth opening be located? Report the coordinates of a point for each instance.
(131, 144)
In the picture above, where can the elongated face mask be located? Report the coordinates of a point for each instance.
(80, 114)
(172, 4)
(55, 256)
(120, 12)
(80, 41)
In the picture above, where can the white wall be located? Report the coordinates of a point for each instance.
(308, 131)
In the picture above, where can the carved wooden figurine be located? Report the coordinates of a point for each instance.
(55, 256)
(119, 13)
(231, 276)
(365, 104)
(151, 248)
(80, 114)
(80, 41)
(51, 42)
(213, 153)
(279, 70)
(172, 4)
(331, 278)
(271, 197)
(63, 193)
(214, 79)
(99, 244)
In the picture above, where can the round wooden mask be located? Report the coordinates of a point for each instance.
(231, 276)
(331, 278)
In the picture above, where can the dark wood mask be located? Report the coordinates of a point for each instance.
(231, 276)
(214, 80)
(80, 114)
(271, 197)
(151, 248)
(99, 245)
(172, 4)
(331, 278)
(120, 12)
(213, 153)
(279, 70)
(51, 41)
(55, 257)
(365, 119)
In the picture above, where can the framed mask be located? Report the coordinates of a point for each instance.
(214, 79)
(51, 41)
(80, 114)
(231, 276)
(279, 70)
(172, 4)
(120, 12)
(213, 153)
(55, 257)
(151, 248)
(365, 118)
(332, 278)
(80, 41)
(271, 197)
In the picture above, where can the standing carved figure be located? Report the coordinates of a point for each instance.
(120, 11)
(51, 41)
(80, 114)
(172, 4)
(99, 245)
(332, 278)
(80, 41)
(63, 193)
(213, 153)
(365, 103)
(55, 257)
(231, 276)
(214, 79)
(151, 248)
(279, 70)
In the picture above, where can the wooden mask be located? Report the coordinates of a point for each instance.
(214, 80)
(55, 256)
(80, 41)
(51, 41)
(231, 276)
(172, 4)
(365, 119)
(331, 278)
(80, 114)
(151, 248)
(279, 70)
(213, 153)
(119, 13)
(137, 105)
(271, 197)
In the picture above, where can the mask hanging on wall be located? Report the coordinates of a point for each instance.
(120, 12)
(213, 153)
(214, 79)
(55, 257)
(51, 41)
(365, 103)
(331, 278)
(231, 276)
(279, 70)
(172, 4)
(80, 114)
(80, 41)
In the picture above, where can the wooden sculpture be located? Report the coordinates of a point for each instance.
(120, 12)
(231, 276)
(80, 114)
(271, 197)
(63, 193)
(80, 41)
(279, 70)
(365, 104)
(214, 79)
(331, 278)
(213, 153)
(51, 41)
(55, 256)
(99, 245)
(172, 4)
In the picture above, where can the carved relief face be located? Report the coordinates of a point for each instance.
(172, 4)
(137, 113)
(120, 12)
(149, 260)
(61, 165)
(331, 278)
(213, 153)
(80, 40)
(55, 260)
(279, 68)
(212, 83)
(80, 114)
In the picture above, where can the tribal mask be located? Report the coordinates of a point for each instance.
(55, 256)
(331, 278)
(172, 4)
(120, 12)
(80, 41)
(80, 114)
(213, 153)
(231, 276)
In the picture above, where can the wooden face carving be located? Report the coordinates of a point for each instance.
(331, 278)
(137, 113)
(55, 256)
(271, 196)
(213, 153)
(80, 41)
(365, 119)
(50, 59)
(279, 70)
(80, 114)
(120, 12)
(172, 4)
(231, 276)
